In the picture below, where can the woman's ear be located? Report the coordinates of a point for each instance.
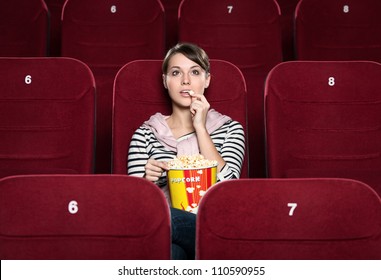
(207, 81)
(165, 81)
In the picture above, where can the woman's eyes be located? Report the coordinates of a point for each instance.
(175, 73)
(194, 72)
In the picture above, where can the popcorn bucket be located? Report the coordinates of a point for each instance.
(187, 186)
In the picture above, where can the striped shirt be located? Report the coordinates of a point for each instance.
(229, 141)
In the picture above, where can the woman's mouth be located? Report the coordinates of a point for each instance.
(187, 92)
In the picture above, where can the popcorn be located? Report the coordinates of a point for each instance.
(189, 162)
(189, 177)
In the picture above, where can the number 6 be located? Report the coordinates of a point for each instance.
(28, 79)
(292, 206)
(73, 207)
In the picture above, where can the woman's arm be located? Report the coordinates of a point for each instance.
(230, 143)
(137, 154)
(147, 157)
(199, 110)
(230, 155)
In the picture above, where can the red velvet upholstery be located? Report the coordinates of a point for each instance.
(338, 30)
(139, 93)
(287, 8)
(47, 108)
(278, 219)
(246, 33)
(106, 34)
(171, 8)
(55, 11)
(323, 120)
(24, 28)
(83, 217)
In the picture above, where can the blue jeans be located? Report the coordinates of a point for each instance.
(183, 234)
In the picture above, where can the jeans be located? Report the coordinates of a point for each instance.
(183, 234)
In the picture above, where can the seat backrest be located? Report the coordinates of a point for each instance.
(323, 120)
(280, 219)
(248, 34)
(338, 30)
(24, 28)
(139, 93)
(47, 108)
(83, 217)
(106, 35)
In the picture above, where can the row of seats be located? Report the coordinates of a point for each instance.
(125, 217)
(304, 119)
(48, 111)
(318, 27)
(322, 118)
(106, 35)
(251, 34)
(51, 11)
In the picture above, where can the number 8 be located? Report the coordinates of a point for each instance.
(331, 81)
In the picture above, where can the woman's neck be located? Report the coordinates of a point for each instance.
(180, 123)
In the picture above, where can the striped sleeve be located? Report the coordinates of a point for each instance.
(143, 146)
(137, 154)
(229, 140)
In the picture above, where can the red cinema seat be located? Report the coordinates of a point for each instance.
(24, 28)
(338, 30)
(246, 33)
(84, 217)
(323, 120)
(289, 219)
(55, 11)
(139, 93)
(47, 108)
(106, 34)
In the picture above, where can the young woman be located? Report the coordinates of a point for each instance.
(192, 128)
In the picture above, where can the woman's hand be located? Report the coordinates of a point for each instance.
(199, 109)
(154, 169)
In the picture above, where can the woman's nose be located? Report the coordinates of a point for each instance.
(185, 80)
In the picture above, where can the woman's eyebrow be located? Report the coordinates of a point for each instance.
(179, 67)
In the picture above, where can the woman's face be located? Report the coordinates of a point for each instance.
(182, 76)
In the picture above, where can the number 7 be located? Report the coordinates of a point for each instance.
(230, 9)
(292, 206)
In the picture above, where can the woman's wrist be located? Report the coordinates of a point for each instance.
(200, 130)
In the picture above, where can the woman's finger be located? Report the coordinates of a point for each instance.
(197, 96)
(154, 169)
